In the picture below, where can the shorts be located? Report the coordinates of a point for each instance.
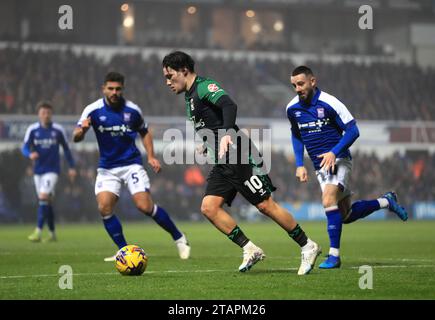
(45, 183)
(225, 180)
(134, 176)
(340, 178)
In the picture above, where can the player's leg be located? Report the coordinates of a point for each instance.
(330, 201)
(49, 185)
(309, 249)
(43, 186)
(107, 190)
(139, 185)
(146, 205)
(211, 208)
(363, 208)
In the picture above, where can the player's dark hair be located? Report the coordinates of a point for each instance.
(178, 60)
(44, 105)
(114, 77)
(302, 69)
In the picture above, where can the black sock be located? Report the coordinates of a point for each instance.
(298, 235)
(238, 237)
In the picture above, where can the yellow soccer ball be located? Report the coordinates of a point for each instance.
(131, 260)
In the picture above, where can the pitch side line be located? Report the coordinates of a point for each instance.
(201, 271)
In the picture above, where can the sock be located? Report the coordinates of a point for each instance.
(42, 213)
(361, 209)
(163, 220)
(50, 218)
(334, 226)
(114, 229)
(334, 252)
(238, 237)
(298, 235)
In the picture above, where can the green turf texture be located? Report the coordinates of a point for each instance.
(402, 256)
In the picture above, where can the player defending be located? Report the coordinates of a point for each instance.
(41, 145)
(116, 122)
(318, 120)
(209, 106)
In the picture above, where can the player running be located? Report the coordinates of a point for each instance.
(41, 145)
(208, 106)
(318, 120)
(116, 122)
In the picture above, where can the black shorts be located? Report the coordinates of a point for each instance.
(225, 180)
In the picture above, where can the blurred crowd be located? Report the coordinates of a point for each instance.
(379, 91)
(179, 188)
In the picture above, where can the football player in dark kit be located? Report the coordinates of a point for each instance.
(210, 109)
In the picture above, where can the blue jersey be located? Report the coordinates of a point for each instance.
(116, 131)
(46, 141)
(319, 125)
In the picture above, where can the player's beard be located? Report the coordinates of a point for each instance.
(308, 98)
(115, 103)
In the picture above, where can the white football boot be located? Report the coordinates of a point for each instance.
(308, 257)
(251, 255)
(183, 247)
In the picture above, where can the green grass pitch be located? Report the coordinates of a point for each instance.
(402, 256)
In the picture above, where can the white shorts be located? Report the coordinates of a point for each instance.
(134, 176)
(340, 179)
(45, 183)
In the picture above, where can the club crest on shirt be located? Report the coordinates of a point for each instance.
(320, 112)
(212, 87)
(127, 116)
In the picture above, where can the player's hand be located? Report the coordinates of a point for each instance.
(86, 124)
(328, 161)
(34, 155)
(302, 174)
(155, 164)
(223, 147)
(72, 174)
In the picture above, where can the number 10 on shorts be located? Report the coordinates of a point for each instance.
(254, 184)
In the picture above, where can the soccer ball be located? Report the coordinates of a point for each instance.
(131, 260)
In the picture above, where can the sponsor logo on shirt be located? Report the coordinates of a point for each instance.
(314, 126)
(115, 130)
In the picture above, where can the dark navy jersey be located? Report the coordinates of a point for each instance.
(116, 131)
(319, 125)
(46, 141)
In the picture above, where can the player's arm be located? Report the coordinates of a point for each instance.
(80, 131)
(28, 146)
(68, 155)
(212, 92)
(298, 149)
(229, 113)
(347, 123)
(147, 140)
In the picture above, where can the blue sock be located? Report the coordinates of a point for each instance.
(50, 218)
(361, 209)
(162, 218)
(114, 229)
(42, 213)
(334, 226)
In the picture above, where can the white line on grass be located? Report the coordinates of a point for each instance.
(201, 271)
